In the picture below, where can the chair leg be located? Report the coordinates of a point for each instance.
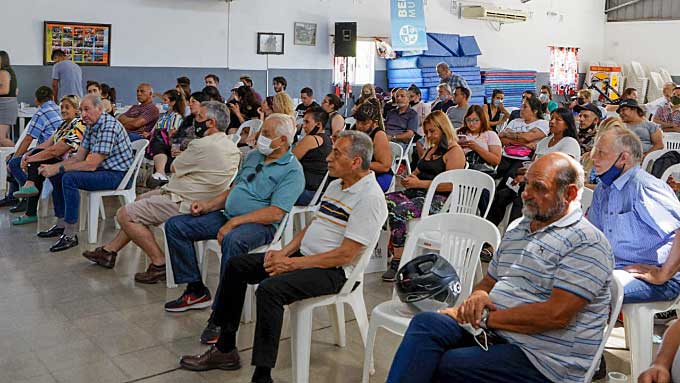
(84, 208)
(337, 313)
(369, 344)
(169, 274)
(359, 308)
(202, 260)
(640, 323)
(93, 218)
(301, 343)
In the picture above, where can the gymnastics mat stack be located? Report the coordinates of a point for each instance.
(512, 82)
(460, 52)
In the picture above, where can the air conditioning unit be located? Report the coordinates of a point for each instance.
(480, 12)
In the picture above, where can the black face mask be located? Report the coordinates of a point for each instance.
(580, 100)
(412, 103)
(200, 128)
(314, 131)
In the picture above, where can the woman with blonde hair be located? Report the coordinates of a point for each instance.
(442, 153)
(63, 143)
(367, 91)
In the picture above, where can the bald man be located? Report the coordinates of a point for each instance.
(141, 118)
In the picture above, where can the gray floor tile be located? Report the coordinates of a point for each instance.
(147, 362)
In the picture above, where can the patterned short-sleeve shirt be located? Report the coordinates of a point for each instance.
(569, 254)
(668, 115)
(70, 133)
(108, 137)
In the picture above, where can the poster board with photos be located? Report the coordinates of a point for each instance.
(84, 43)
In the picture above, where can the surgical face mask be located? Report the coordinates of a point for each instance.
(498, 102)
(543, 97)
(611, 174)
(367, 94)
(200, 128)
(263, 145)
(675, 100)
(166, 107)
(402, 105)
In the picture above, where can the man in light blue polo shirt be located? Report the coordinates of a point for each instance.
(640, 215)
(242, 218)
(544, 302)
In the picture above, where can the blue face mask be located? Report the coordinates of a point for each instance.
(611, 174)
(166, 107)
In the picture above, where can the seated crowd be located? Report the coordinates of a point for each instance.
(232, 169)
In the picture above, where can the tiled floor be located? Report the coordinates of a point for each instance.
(65, 320)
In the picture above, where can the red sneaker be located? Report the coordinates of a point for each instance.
(189, 301)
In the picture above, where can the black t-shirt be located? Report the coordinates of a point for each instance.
(302, 108)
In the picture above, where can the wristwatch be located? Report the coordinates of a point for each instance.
(61, 169)
(485, 317)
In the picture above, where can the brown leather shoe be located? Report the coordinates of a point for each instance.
(102, 257)
(212, 359)
(152, 275)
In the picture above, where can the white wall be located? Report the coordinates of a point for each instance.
(652, 43)
(145, 32)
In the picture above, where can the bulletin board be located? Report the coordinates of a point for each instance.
(84, 43)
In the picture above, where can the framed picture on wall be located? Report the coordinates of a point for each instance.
(269, 43)
(84, 43)
(305, 34)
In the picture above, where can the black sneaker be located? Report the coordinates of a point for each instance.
(189, 301)
(665, 317)
(391, 273)
(601, 370)
(211, 332)
(486, 255)
(20, 207)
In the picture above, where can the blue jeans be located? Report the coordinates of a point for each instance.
(436, 349)
(67, 186)
(638, 291)
(134, 136)
(15, 168)
(183, 230)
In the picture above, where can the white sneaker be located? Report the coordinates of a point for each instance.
(159, 177)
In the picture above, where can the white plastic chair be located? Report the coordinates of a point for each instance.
(649, 159)
(639, 325)
(462, 237)
(253, 126)
(397, 154)
(671, 141)
(43, 202)
(406, 156)
(349, 122)
(5, 151)
(616, 292)
(302, 215)
(673, 169)
(280, 239)
(586, 199)
(94, 198)
(301, 315)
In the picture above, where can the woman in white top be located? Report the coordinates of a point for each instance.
(562, 136)
(480, 143)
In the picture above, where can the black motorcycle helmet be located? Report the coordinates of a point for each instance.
(428, 277)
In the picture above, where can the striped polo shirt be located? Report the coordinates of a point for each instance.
(569, 254)
(357, 213)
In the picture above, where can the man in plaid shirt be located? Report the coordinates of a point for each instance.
(450, 78)
(103, 158)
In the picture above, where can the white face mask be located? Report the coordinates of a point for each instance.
(263, 145)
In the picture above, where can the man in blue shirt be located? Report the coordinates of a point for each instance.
(401, 123)
(43, 123)
(242, 218)
(640, 216)
(102, 160)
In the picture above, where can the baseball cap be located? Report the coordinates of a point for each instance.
(590, 107)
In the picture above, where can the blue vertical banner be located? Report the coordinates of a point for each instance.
(408, 25)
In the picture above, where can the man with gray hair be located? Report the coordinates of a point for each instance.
(202, 171)
(141, 118)
(640, 216)
(102, 160)
(242, 218)
(446, 76)
(316, 262)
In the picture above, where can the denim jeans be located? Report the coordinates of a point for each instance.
(15, 168)
(134, 136)
(67, 186)
(436, 349)
(183, 230)
(638, 291)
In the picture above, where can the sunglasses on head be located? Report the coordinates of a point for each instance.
(251, 177)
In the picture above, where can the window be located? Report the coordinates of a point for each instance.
(360, 69)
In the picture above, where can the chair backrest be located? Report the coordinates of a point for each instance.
(409, 148)
(468, 186)
(669, 171)
(586, 199)
(462, 239)
(319, 192)
(616, 292)
(397, 154)
(357, 274)
(649, 159)
(671, 141)
(254, 126)
(139, 148)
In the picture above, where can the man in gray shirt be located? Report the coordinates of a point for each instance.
(67, 78)
(457, 113)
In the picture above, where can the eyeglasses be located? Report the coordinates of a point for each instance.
(472, 120)
(251, 177)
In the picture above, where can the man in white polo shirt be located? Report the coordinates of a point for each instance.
(316, 262)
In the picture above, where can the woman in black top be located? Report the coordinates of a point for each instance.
(185, 133)
(336, 123)
(8, 99)
(496, 113)
(443, 153)
(312, 151)
(243, 107)
(369, 120)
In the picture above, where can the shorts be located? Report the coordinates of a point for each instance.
(152, 208)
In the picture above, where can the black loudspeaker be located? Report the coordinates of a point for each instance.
(345, 39)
